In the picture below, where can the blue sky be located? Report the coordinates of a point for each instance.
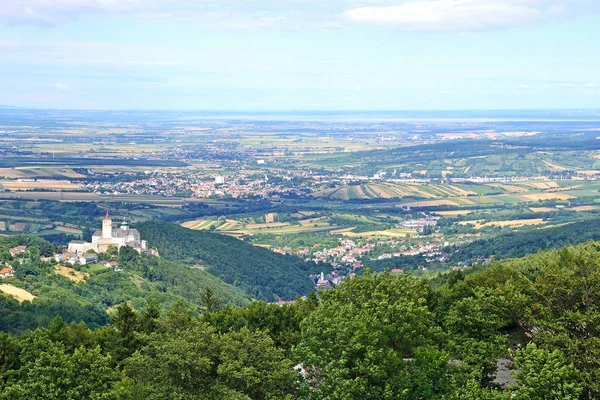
(300, 54)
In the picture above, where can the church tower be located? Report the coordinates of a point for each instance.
(107, 227)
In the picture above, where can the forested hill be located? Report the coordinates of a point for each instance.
(260, 272)
(520, 244)
(404, 337)
(88, 293)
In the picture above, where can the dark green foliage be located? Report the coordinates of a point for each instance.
(260, 272)
(376, 336)
(519, 244)
(198, 363)
(281, 323)
(27, 316)
(546, 375)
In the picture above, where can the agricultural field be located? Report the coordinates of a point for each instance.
(543, 209)
(392, 233)
(18, 226)
(478, 224)
(585, 208)
(39, 172)
(389, 190)
(236, 228)
(66, 196)
(67, 229)
(37, 185)
(19, 294)
(230, 225)
(199, 224)
(453, 213)
(436, 195)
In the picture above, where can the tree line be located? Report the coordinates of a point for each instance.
(376, 336)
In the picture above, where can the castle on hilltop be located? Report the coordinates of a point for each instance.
(109, 236)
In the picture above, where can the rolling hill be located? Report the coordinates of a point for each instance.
(261, 273)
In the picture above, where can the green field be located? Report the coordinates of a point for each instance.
(432, 194)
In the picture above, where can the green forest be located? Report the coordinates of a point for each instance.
(261, 273)
(376, 336)
(142, 279)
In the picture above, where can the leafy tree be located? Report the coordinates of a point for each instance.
(546, 375)
(197, 362)
(55, 374)
(374, 337)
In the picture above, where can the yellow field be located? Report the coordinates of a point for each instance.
(541, 184)
(542, 209)
(546, 196)
(230, 225)
(585, 208)
(198, 224)
(452, 213)
(342, 230)
(271, 225)
(20, 294)
(512, 223)
(15, 185)
(70, 273)
(461, 191)
(431, 203)
(589, 172)
(554, 167)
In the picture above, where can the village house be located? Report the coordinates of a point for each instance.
(7, 272)
(18, 250)
(112, 264)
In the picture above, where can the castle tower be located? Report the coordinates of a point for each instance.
(107, 227)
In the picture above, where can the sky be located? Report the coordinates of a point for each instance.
(300, 54)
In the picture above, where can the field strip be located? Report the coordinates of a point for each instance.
(20, 294)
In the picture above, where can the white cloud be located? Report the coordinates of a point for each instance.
(456, 15)
(572, 85)
(54, 11)
(61, 86)
(410, 15)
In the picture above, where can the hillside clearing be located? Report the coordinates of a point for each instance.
(70, 273)
(20, 294)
